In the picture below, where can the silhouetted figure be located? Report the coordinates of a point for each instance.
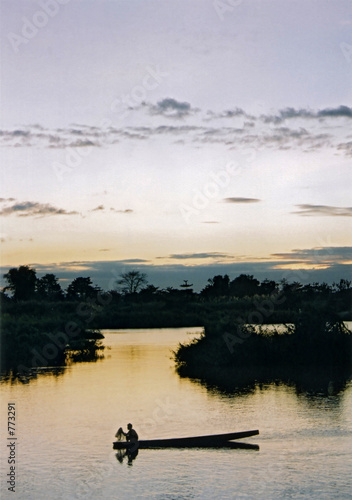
(132, 437)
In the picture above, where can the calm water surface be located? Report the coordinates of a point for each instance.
(66, 424)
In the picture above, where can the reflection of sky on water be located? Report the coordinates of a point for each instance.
(67, 424)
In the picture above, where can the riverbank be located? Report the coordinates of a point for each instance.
(314, 347)
(66, 326)
(29, 341)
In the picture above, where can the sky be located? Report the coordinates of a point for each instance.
(182, 138)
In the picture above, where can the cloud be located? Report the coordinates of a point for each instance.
(284, 138)
(126, 211)
(319, 257)
(320, 210)
(316, 129)
(20, 133)
(335, 252)
(171, 108)
(101, 208)
(58, 138)
(171, 129)
(341, 111)
(82, 143)
(229, 113)
(98, 208)
(202, 255)
(346, 146)
(105, 273)
(31, 209)
(289, 113)
(134, 261)
(286, 114)
(241, 200)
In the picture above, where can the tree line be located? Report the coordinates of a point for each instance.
(37, 310)
(23, 285)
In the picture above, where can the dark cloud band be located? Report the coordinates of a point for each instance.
(33, 209)
(320, 210)
(241, 200)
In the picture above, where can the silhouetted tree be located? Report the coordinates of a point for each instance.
(342, 285)
(290, 288)
(148, 291)
(49, 288)
(21, 282)
(293, 293)
(323, 289)
(244, 285)
(267, 287)
(217, 286)
(132, 281)
(309, 290)
(4, 298)
(344, 293)
(81, 288)
(115, 296)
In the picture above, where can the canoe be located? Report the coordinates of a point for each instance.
(123, 445)
(211, 441)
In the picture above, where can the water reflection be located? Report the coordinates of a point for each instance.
(130, 454)
(307, 382)
(27, 373)
(67, 426)
(24, 377)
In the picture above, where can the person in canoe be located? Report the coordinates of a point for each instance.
(131, 435)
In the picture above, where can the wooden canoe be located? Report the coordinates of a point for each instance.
(211, 441)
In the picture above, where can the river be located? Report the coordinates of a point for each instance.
(66, 422)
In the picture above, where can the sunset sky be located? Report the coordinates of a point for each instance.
(184, 138)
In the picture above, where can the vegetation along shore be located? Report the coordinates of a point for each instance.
(43, 325)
